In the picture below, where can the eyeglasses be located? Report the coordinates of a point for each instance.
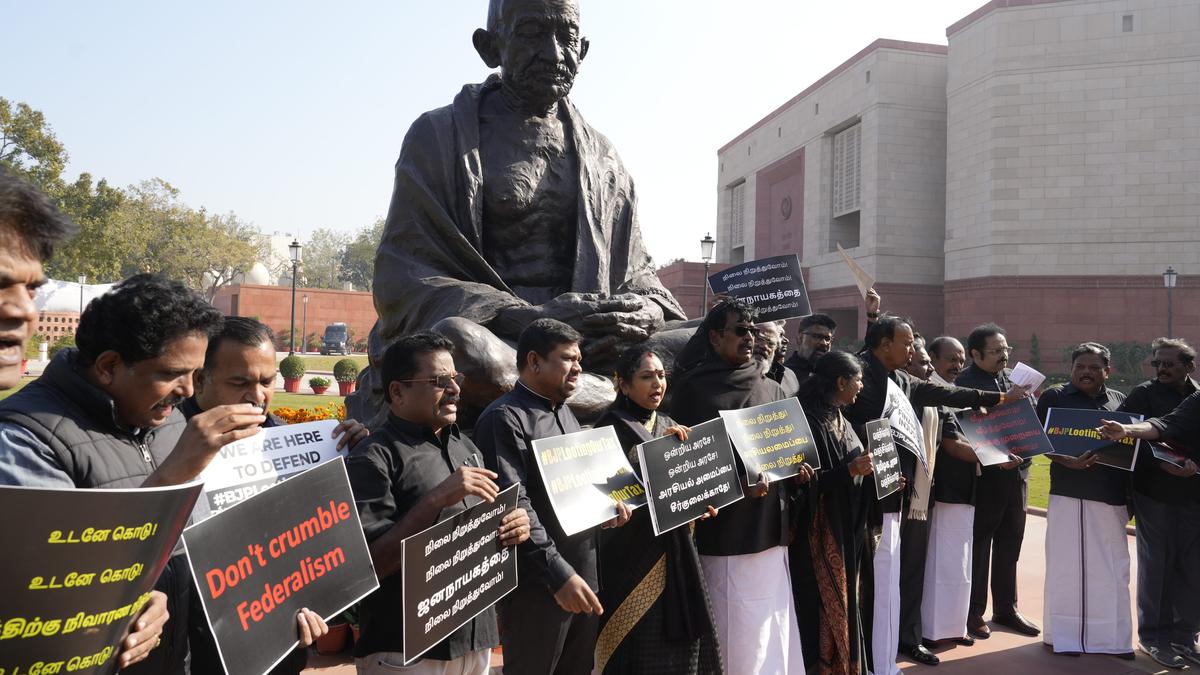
(1163, 364)
(742, 331)
(819, 337)
(441, 381)
(1001, 350)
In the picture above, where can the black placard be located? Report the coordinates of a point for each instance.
(684, 478)
(1010, 428)
(773, 285)
(80, 567)
(454, 570)
(772, 439)
(299, 544)
(1172, 452)
(1073, 432)
(586, 473)
(884, 458)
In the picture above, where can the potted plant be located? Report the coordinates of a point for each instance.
(345, 372)
(292, 368)
(318, 384)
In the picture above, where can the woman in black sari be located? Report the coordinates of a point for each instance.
(832, 531)
(659, 620)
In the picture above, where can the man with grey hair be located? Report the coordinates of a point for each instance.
(766, 348)
(1087, 558)
(1166, 498)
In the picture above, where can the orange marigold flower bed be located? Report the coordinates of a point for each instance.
(331, 411)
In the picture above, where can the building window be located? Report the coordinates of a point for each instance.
(847, 188)
(1127, 23)
(737, 213)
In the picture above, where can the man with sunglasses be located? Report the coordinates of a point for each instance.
(1166, 499)
(414, 471)
(1001, 495)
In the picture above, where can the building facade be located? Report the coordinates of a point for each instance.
(272, 305)
(1040, 171)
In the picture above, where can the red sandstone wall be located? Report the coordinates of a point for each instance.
(1067, 310)
(686, 282)
(272, 306)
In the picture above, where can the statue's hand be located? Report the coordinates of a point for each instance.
(628, 317)
(570, 308)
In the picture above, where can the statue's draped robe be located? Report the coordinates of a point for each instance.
(430, 264)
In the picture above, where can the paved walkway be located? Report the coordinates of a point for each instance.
(1005, 652)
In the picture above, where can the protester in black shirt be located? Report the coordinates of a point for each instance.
(1166, 500)
(550, 621)
(746, 545)
(1087, 557)
(240, 367)
(946, 598)
(816, 339)
(415, 471)
(1000, 499)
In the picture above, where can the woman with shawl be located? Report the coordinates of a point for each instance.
(662, 623)
(832, 530)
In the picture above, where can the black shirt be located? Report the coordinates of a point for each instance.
(1155, 399)
(1182, 423)
(1100, 483)
(390, 472)
(974, 376)
(505, 432)
(953, 479)
(802, 367)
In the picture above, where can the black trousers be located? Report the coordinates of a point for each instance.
(540, 638)
(999, 530)
(1168, 583)
(914, 545)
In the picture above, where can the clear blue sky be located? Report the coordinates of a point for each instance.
(290, 114)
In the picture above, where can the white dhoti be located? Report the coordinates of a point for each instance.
(946, 597)
(1087, 577)
(755, 612)
(885, 622)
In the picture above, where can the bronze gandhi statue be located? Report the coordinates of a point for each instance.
(508, 207)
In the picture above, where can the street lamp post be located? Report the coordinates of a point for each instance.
(304, 326)
(706, 253)
(82, 281)
(1169, 279)
(294, 251)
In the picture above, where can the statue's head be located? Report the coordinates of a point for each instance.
(536, 45)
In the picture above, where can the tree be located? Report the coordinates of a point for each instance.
(358, 261)
(322, 264)
(29, 148)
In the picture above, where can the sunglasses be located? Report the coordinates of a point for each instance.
(742, 331)
(1163, 364)
(441, 381)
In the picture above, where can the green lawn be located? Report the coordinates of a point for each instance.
(318, 363)
(286, 400)
(24, 381)
(1039, 482)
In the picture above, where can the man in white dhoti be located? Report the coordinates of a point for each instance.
(889, 391)
(947, 589)
(1087, 606)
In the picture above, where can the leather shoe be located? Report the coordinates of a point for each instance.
(978, 628)
(921, 655)
(966, 641)
(1018, 623)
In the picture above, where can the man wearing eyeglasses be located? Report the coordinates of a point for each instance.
(416, 470)
(1166, 499)
(766, 350)
(1001, 494)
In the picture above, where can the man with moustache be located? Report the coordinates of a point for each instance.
(816, 339)
(240, 367)
(947, 589)
(1166, 499)
(744, 549)
(550, 620)
(1087, 557)
(417, 470)
(1001, 494)
(766, 350)
(105, 415)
